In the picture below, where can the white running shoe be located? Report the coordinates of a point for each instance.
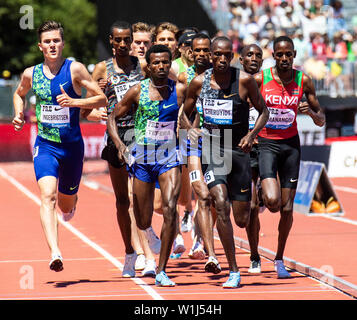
(186, 224)
(255, 266)
(280, 269)
(150, 269)
(212, 265)
(56, 263)
(154, 241)
(197, 252)
(140, 262)
(68, 216)
(129, 265)
(179, 246)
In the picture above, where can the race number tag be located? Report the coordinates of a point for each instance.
(160, 131)
(121, 89)
(253, 116)
(54, 114)
(218, 111)
(280, 118)
(195, 175)
(209, 177)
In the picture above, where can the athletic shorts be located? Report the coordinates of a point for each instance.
(150, 172)
(63, 161)
(235, 174)
(280, 157)
(110, 152)
(254, 157)
(188, 149)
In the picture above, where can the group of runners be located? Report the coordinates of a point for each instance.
(180, 121)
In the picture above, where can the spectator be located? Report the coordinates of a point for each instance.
(302, 49)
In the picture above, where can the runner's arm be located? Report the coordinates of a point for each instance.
(19, 98)
(82, 79)
(312, 106)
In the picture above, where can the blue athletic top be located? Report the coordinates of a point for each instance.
(55, 123)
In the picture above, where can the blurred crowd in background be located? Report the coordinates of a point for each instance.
(326, 44)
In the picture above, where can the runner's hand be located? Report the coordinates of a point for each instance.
(18, 121)
(194, 134)
(246, 143)
(123, 152)
(304, 107)
(64, 100)
(102, 83)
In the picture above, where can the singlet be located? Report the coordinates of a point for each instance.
(156, 121)
(118, 84)
(55, 123)
(182, 67)
(224, 108)
(191, 73)
(282, 102)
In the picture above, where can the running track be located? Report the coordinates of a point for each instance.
(91, 244)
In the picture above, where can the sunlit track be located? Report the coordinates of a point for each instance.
(77, 283)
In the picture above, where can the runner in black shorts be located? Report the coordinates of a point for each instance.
(279, 147)
(252, 59)
(226, 144)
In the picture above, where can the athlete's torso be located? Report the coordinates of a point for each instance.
(156, 121)
(282, 102)
(118, 84)
(55, 123)
(224, 108)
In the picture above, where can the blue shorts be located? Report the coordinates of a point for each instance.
(63, 161)
(188, 149)
(150, 172)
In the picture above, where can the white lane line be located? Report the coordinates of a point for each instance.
(80, 235)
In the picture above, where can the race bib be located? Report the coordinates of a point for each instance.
(54, 114)
(253, 116)
(160, 131)
(209, 177)
(280, 118)
(121, 89)
(218, 111)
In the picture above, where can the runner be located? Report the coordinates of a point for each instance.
(59, 150)
(116, 75)
(223, 91)
(155, 155)
(279, 146)
(203, 219)
(252, 59)
(142, 41)
(185, 60)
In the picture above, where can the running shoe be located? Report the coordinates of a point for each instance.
(197, 251)
(56, 263)
(68, 216)
(212, 265)
(175, 255)
(186, 224)
(233, 280)
(280, 269)
(150, 269)
(255, 266)
(162, 280)
(129, 265)
(140, 262)
(179, 246)
(154, 241)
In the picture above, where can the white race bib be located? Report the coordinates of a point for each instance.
(253, 116)
(54, 114)
(160, 131)
(218, 111)
(280, 118)
(121, 89)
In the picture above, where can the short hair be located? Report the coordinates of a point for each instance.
(141, 27)
(157, 48)
(165, 26)
(200, 35)
(281, 39)
(49, 26)
(243, 51)
(123, 25)
(221, 38)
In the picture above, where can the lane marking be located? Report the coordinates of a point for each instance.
(80, 235)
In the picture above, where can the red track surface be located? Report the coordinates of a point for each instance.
(91, 266)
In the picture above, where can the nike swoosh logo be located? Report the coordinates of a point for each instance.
(268, 90)
(244, 190)
(221, 103)
(282, 112)
(168, 106)
(165, 125)
(230, 95)
(62, 84)
(72, 188)
(293, 180)
(58, 108)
